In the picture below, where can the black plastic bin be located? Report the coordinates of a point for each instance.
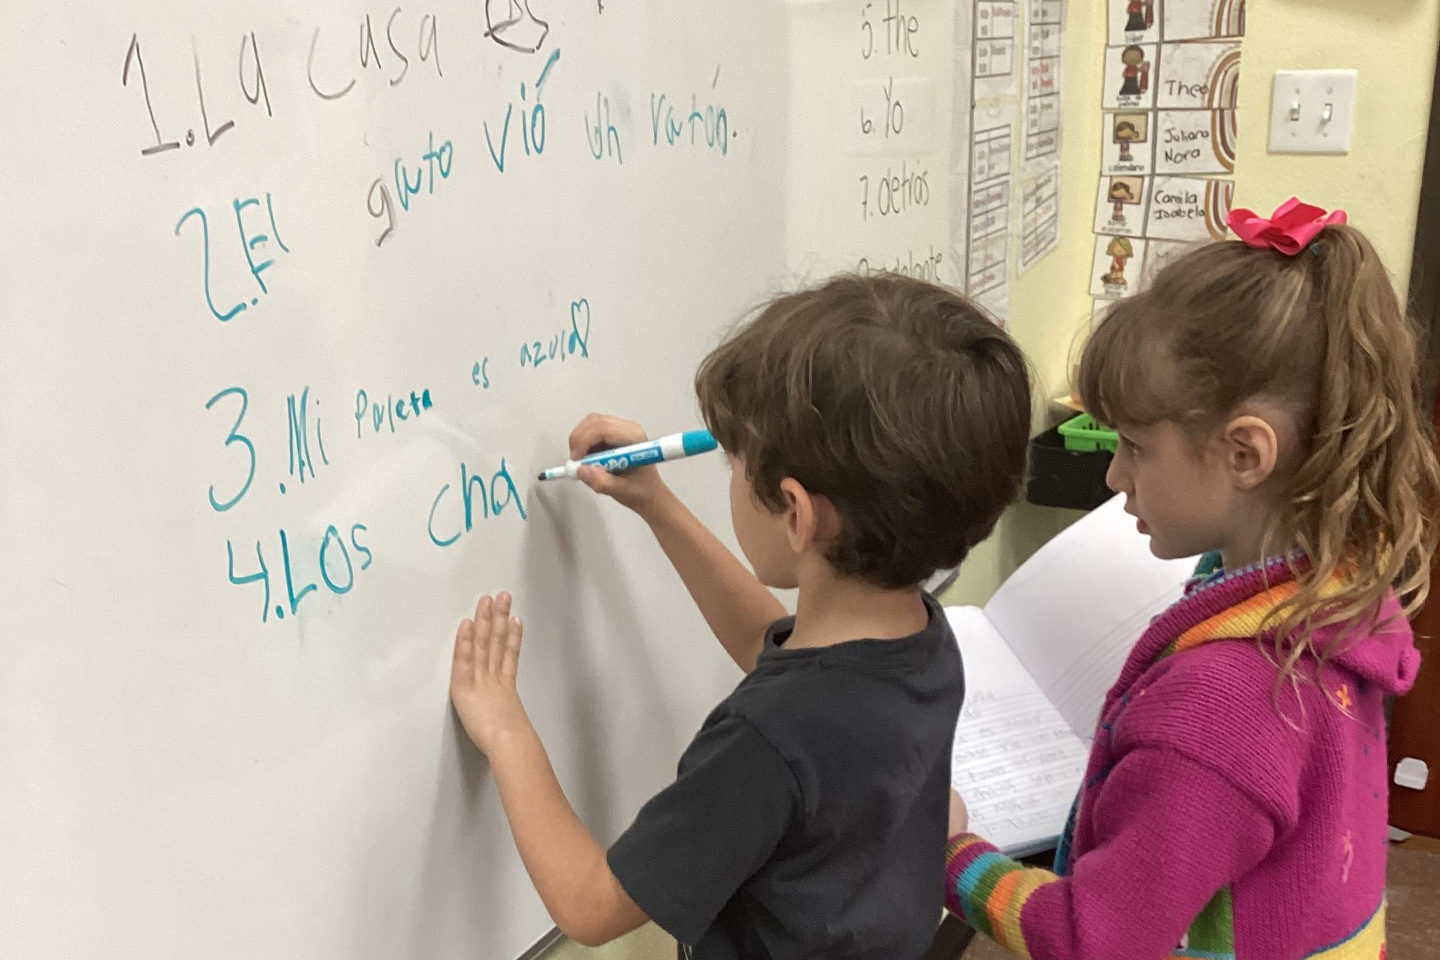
(1066, 478)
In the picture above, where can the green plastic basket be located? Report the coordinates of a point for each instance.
(1083, 434)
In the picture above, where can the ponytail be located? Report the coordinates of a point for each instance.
(1365, 499)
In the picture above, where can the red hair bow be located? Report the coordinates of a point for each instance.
(1290, 228)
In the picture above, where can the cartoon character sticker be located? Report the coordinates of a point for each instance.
(1113, 268)
(1119, 206)
(1125, 134)
(1127, 143)
(1128, 72)
(1140, 15)
(1135, 78)
(1119, 250)
(1134, 21)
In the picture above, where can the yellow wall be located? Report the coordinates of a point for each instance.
(1050, 304)
(1393, 45)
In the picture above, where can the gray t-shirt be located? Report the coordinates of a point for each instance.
(809, 814)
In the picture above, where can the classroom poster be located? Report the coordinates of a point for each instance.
(1039, 189)
(1099, 309)
(1188, 208)
(1130, 76)
(1045, 28)
(1200, 76)
(1039, 215)
(1134, 21)
(1159, 254)
(1168, 132)
(1120, 209)
(992, 157)
(1202, 19)
(963, 42)
(1163, 208)
(1127, 142)
(996, 56)
(1116, 267)
(997, 51)
(1194, 141)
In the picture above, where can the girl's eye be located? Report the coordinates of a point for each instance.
(1128, 444)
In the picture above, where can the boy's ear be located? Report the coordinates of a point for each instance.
(1252, 450)
(810, 519)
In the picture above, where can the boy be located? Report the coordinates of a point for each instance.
(876, 428)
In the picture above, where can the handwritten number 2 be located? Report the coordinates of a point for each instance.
(205, 239)
(133, 53)
(234, 437)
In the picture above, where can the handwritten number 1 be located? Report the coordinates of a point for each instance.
(161, 144)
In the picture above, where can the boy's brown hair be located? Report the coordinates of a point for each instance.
(896, 399)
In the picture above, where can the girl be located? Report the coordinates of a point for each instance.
(1234, 805)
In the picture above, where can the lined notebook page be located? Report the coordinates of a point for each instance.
(1016, 761)
(1074, 610)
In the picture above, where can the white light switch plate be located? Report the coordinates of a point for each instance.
(1312, 111)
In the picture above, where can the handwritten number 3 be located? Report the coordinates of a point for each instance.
(235, 436)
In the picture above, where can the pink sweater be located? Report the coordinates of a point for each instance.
(1208, 826)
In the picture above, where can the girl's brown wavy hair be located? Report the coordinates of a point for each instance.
(1322, 336)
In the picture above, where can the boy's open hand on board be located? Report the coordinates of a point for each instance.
(482, 677)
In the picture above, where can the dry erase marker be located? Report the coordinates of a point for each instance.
(650, 452)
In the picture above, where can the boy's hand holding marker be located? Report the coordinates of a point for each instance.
(639, 488)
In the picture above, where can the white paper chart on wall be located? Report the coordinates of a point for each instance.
(309, 294)
(1172, 73)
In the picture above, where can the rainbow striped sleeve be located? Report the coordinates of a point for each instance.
(989, 889)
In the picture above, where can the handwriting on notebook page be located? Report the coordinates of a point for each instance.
(1018, 766)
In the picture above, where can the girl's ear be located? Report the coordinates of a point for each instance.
(1252, 450)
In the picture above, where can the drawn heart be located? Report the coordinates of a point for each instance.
(579, 341)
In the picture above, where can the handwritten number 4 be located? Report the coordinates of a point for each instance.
(263, 576)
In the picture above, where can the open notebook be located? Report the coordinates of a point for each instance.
(1038, 661)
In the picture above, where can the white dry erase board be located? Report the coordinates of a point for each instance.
(296, 297)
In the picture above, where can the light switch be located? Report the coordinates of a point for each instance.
(1312, 111)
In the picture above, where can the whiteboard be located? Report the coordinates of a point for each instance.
(313, 288)
(874, 176)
